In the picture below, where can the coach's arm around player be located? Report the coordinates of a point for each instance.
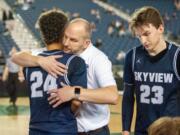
(49, 64)
(59, 96)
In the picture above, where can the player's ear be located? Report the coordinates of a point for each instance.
(161, 28)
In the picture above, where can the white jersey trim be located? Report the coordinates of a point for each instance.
(67, 65)
(133, 59)
(52, 53)
(175, 63)
(128, 84)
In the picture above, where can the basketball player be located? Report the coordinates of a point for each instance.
(44, 119)
(151, 72)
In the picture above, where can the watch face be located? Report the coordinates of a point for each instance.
(77, 90)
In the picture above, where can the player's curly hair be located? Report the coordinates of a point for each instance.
(51, 25)
(145, 15)
(165, 126)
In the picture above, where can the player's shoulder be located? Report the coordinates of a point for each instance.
(173, 49)
(51, 52)
(173, 46)
(75, 63)
(69, 59)
(37, 51)
(76, 59)
(133, 50)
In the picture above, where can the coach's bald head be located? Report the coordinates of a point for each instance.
(82, 25)
(77, 36)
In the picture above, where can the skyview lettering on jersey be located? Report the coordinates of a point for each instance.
(153, 77)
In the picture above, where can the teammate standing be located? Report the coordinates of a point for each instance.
(151, 72)
(11, 73)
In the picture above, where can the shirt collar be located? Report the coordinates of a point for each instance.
(85, 54)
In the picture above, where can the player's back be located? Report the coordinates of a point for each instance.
(45, 118)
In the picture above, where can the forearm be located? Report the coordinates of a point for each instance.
(25, 59)
(127, 107)
(5, 74)
(106, 95)
(75, 105)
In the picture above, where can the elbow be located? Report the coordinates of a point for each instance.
(113, 95)
(14, 58)
(115, 99)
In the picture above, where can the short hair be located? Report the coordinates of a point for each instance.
(51, 25)
(86, 24)
(164, 126)
(145, 15)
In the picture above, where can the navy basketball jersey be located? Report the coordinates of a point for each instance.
(156, 86)
(44, 118)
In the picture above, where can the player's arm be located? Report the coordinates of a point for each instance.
(20, 74)
(178, 63)
(170, 109)
(127, 108)
(107, 94)
(77, 75)
(178, 68)
(75, 105)
(5, 73)
(49, 64)
(128, 95)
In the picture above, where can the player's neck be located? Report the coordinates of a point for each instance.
(54, 46)
(159, 48)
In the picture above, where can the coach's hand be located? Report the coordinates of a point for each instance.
(52, 66)
(59, 96)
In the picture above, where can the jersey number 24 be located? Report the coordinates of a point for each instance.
(48, 83)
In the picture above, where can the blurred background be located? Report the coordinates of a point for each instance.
(109, 20)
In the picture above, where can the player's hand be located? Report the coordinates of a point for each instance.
(21, 78)
(4, 78)
(75, 105)
(59, 96)
(125, 133)
(52, 66)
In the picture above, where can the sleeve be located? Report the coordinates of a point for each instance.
(178, 69)
(178, 63)
(127, 107)
(103, 71)
(35, 52)
(25, 70)
(128, 76)
(77, 72)
(128, 95)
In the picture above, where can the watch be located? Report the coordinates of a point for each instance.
(77, 92)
